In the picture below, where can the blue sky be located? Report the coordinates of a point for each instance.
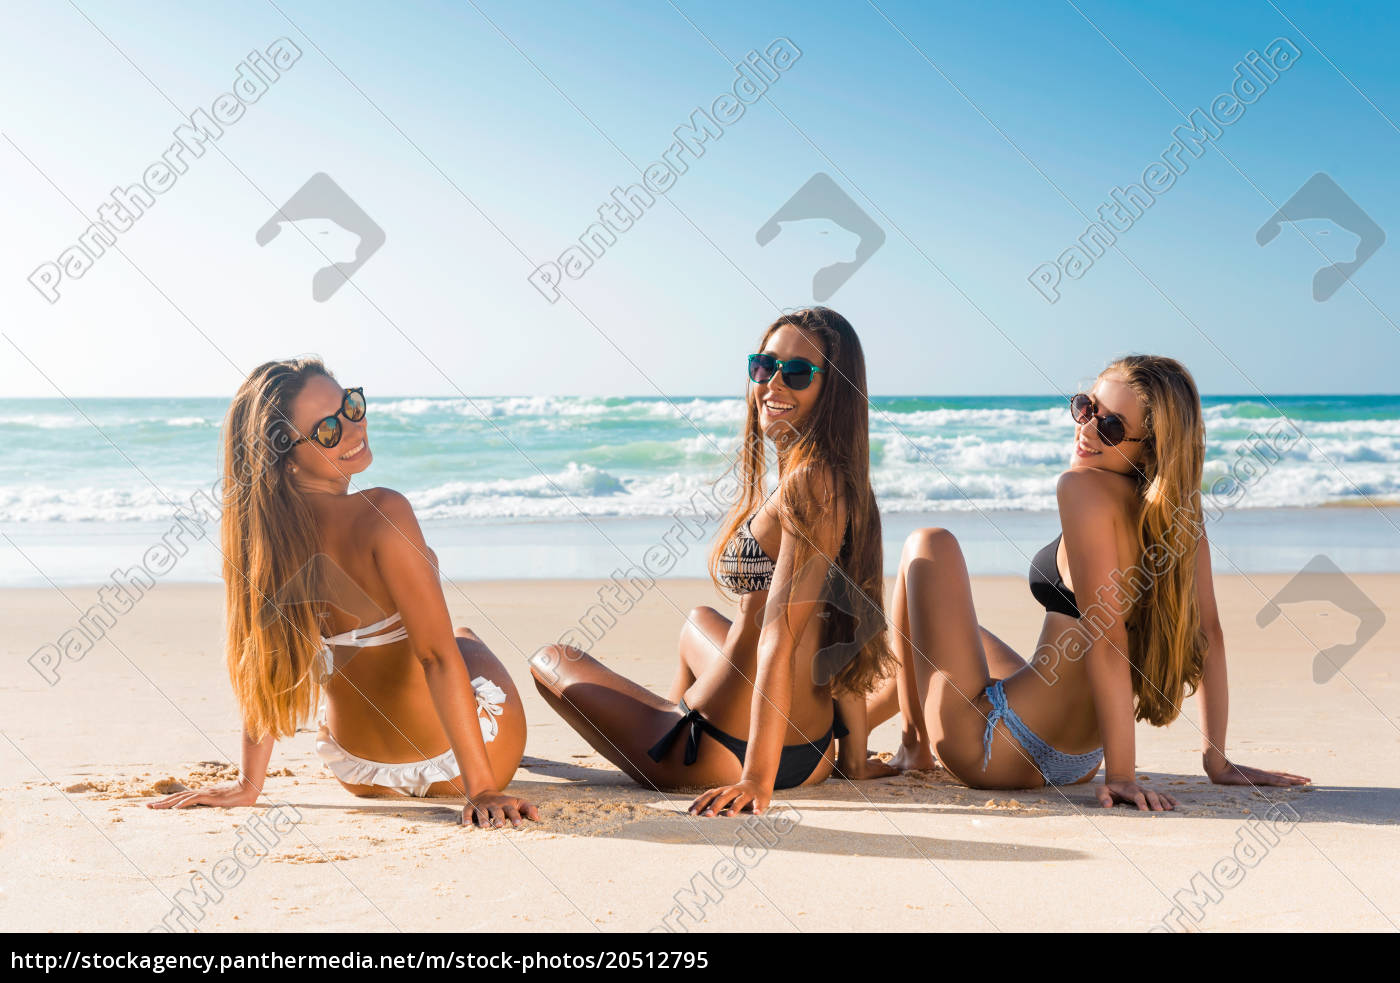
(501, 127)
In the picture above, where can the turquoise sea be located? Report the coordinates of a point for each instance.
(537, 485)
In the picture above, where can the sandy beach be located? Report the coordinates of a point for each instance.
(149, 706)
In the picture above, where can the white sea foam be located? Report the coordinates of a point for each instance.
(559, 455)
(43, 421)
(138, 503)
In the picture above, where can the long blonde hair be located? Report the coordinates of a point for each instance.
(834, 440)
(1166, 641)
(269, 541)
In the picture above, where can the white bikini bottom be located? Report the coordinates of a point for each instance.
(412, 777)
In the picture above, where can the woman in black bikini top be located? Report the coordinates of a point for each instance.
(1047, 586)
(1149, 634)
(743, 567)
(775, 687)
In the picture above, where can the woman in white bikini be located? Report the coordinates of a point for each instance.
(313, 574)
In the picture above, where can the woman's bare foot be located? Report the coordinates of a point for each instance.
(915, 757)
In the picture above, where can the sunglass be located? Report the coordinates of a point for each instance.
(1112, 430)
(328, 431)
(797, 373)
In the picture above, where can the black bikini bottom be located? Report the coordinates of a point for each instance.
(795, 766)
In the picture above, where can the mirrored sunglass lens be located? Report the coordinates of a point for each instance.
(354, 407)
(328, 432)
(761, 368)
(1080, 407)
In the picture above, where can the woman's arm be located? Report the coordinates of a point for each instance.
(853, 758)
(1092, 517)
(404, 561)
(1214, 694)
(243, 792)
(1214, 690)
(793, 598)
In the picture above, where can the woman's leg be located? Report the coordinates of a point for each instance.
(1002, 660)
(900, 694)
(891, 697)
(622, 721)
(701, 644)
(949, 663)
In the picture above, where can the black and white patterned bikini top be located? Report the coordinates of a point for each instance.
(743, 566)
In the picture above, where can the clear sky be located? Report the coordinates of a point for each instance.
(483, 136)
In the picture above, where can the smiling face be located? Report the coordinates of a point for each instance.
(779, 406)
(1116, 398)
(321, 397)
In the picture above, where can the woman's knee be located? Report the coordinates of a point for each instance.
(551, 663)
(463, 632)
(931, 543)
(699, 621)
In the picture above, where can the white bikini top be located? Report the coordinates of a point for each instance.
(490, 698)
(363, 637)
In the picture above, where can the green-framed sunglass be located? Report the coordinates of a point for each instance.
(797, 373)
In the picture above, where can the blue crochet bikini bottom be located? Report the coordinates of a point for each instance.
(1057, 767)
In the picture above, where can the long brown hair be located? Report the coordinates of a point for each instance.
(269, 539)
(834, 440)
(1166, 641)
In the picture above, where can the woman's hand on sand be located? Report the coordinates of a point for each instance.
(1233, 774)
(229, 796)
(495, 809)
(1112, 793)
(732, 800)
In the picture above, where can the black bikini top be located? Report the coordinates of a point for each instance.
(1047, 586)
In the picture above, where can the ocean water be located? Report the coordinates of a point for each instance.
(80, 487)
